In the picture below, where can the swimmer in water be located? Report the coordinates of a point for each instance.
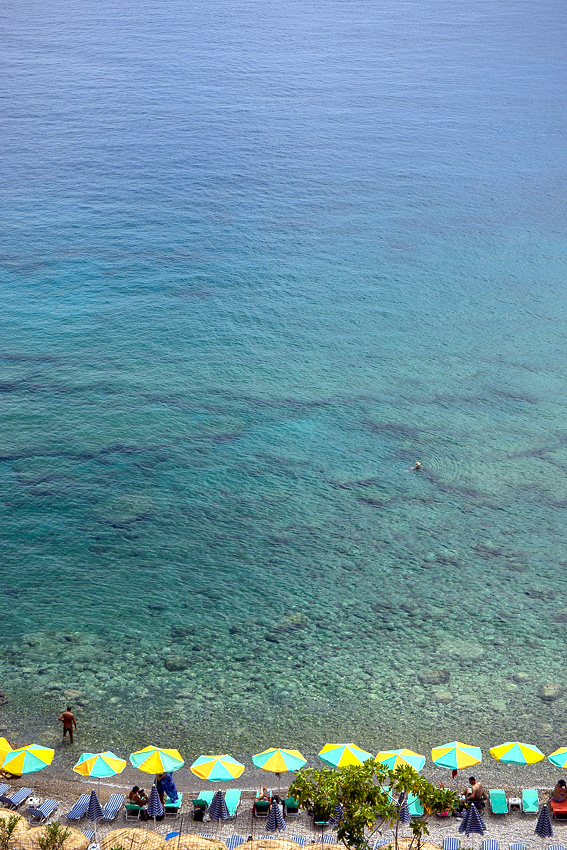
(418, 466)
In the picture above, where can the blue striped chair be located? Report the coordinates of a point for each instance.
(16, 800)
(382, 842)
(518, 847)
(451, 844)
(298, 839)
(234, 841)
(43, 812)
(79, 809)
(490, 844)
(112, 807)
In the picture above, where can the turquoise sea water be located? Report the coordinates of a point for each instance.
(256, 260)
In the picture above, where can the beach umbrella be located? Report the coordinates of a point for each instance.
(94, 811)
(155, 808)
(558, 758)
(5, 748)
(217, 768)
(456, 756)
(395, 758)
(275, 819)
(27, 759)
(543, 824)
(472, 822)
(99, 765)
(336, 818)
(217, 808)
(514, 752)
(156, 760)
(404, 814)
(279, 761)
(340, 755)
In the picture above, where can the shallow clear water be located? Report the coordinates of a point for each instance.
(256, 260)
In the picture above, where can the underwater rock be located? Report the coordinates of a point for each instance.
(443, 697)
(180, 632)
(550, 691)
(4, 698)
(434, 677)
(176, 663)
(292, 624)
(521, 678)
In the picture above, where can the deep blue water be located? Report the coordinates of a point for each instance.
(257, 258)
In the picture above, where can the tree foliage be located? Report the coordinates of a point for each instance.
(368, 796)
(7, 827)
(55, 836)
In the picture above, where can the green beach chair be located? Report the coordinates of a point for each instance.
(232, 800)
(173, 807)
(261, 808)
(132, 811)
(498, 801)
(530, 801)
(414, 806)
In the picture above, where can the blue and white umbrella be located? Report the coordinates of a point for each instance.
(404, 815)
(218, 809)
(155, 808)
(94, 811)
(336, 819)
(472, 822)
(275, 818)
(543, 824)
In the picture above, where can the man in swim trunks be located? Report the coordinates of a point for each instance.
(68, 721)
(476, 795)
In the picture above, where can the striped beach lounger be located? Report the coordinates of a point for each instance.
(451, 844)
(297, 839)
(234, 841)
(330, 838)
(79, 810)
(112, 807)
(518, 847)
(490, 844)
(206, 834)
(43, 812)
(556, 847)
(17, 798)
(89, 834)
(4, 790)
(380, 842)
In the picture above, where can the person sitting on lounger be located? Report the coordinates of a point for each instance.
(559, 793)
(476, 795)
(263, 794)
(137, 796)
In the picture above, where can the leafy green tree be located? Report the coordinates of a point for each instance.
(55, 837)
(7, 827)
(368, 796)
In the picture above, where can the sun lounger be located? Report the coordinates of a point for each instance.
(16, 800)
(112, 807)
(234, 841)
(132, 811)
(206, 834)
(43, 812)
(381, 842)
(451, 844)
(291, 808)
(530, 801)
(415, 807)
(331, 838)
(517, 846)
(489, 844)
(559, 809)
(261, 808)
(89, 834)
(79, 810)
(297, 839)
(556, 847)
(201, 804)
(498, 802)
(232, 800)
(4, 790)
(171, 835)
(173, 807)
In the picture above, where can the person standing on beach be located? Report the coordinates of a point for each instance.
(67, 718)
